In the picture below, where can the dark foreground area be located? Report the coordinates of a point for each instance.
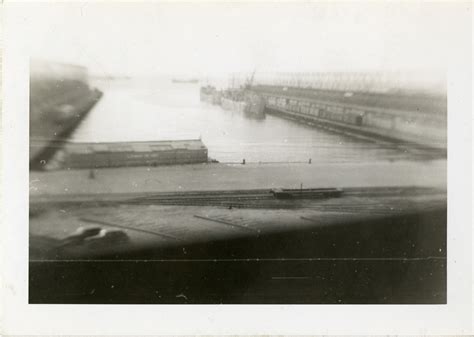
(397, 259)
(241, 282)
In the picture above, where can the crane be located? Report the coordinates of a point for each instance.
(249, 82)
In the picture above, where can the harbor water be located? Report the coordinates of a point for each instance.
(157, 109)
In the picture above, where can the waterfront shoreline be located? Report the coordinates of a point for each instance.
(195, 177)
(44, 150)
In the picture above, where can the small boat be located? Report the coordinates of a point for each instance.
(192, 80)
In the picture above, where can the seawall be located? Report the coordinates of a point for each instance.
(60, 98)
(42, 147)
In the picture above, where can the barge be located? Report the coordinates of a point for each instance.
(123, 154)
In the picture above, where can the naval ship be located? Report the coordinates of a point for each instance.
(241, 99)
(245, 101)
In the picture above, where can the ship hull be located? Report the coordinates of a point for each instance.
(252, 106)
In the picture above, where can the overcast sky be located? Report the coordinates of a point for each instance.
(202, 39)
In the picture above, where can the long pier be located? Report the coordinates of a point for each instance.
(415, 120)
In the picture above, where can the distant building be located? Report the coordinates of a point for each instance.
(46, 70)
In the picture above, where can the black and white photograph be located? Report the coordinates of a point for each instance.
(238, 153)
(293, 158)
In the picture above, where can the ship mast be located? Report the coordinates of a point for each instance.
(249, 83)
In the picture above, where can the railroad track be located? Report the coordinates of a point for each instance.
(261, 198)
(237, 199)
(278, 198)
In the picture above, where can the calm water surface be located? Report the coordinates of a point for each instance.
(136, 110)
